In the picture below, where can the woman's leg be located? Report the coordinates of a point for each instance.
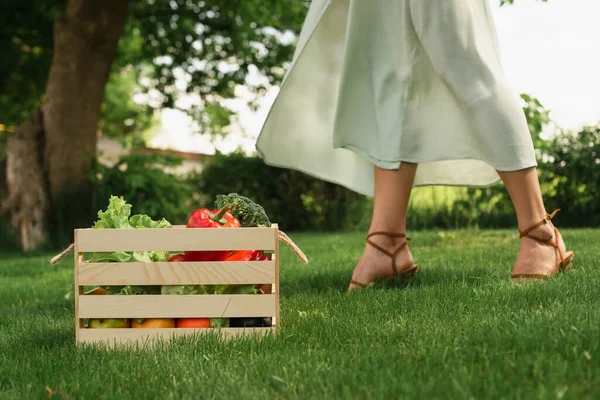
(524, 189)
(392, 193)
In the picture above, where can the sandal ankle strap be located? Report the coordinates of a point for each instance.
(546, 219)
(554, 243)
(386, 233)
(391, 254)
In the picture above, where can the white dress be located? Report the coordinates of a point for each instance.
(378, 82)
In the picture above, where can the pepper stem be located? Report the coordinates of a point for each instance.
(219, 217)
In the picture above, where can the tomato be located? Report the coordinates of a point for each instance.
(177, 258)
(265, 289)
(96, 291)
(193, 323)
(153, 323)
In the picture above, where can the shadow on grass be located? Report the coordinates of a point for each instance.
(471, 276)
(45, 339)
(336, 282)
(327, 282)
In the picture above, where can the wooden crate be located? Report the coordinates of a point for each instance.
(176, 239)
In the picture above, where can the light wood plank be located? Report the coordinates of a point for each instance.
(276, 285)
(77, 259)
(175, 239)
(177, 273)
(112, 337)
(177, 306)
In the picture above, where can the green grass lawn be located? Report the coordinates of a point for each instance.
(460, 330)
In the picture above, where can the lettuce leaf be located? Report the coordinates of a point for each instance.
(183, 289)
(118, 256)
(219, 322)
(129, 290)
(234, 289)
(144, 221)
(118, 216)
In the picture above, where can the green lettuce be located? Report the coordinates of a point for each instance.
(118, 216)
(183, 289)
(144, 221)
(210, 289)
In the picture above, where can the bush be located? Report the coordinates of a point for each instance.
(459, 207)
(145, 182)
(292, 199)
(571, 176)
(569, 173)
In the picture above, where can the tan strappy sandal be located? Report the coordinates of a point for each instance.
(395, 273)
(564, 261)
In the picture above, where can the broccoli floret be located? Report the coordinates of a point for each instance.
(245, 210)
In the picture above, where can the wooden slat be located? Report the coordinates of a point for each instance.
(177, 306)
(175, 239)
(177, 273)
(113, 337)
(276, 285)
(77, 259)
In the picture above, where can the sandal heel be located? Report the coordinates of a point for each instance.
(406, 274)
(564, 263)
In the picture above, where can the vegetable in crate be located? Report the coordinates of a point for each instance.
(246, 255)
(153, 323)
(250, 322)
(117, 216)
(205, 218)
(106, 323)
(245, 210)
(210, 289)
(193, 323)
(196, 289)
(177, 258)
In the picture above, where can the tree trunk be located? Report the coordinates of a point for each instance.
(27, 201)
(85, 44)
(50, 158)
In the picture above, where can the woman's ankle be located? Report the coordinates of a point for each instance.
(543, 232)
(525, 222)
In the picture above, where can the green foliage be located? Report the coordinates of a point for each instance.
(538, 118)
(8, 240)
(571, 173)
(291, 199)
(26, 48)
(568, 170)
(213, 44)
(120, 115)
(3, 143)
(148, 185)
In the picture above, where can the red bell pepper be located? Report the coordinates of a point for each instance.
(205, 218)
(245, 255)
(248, 255)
